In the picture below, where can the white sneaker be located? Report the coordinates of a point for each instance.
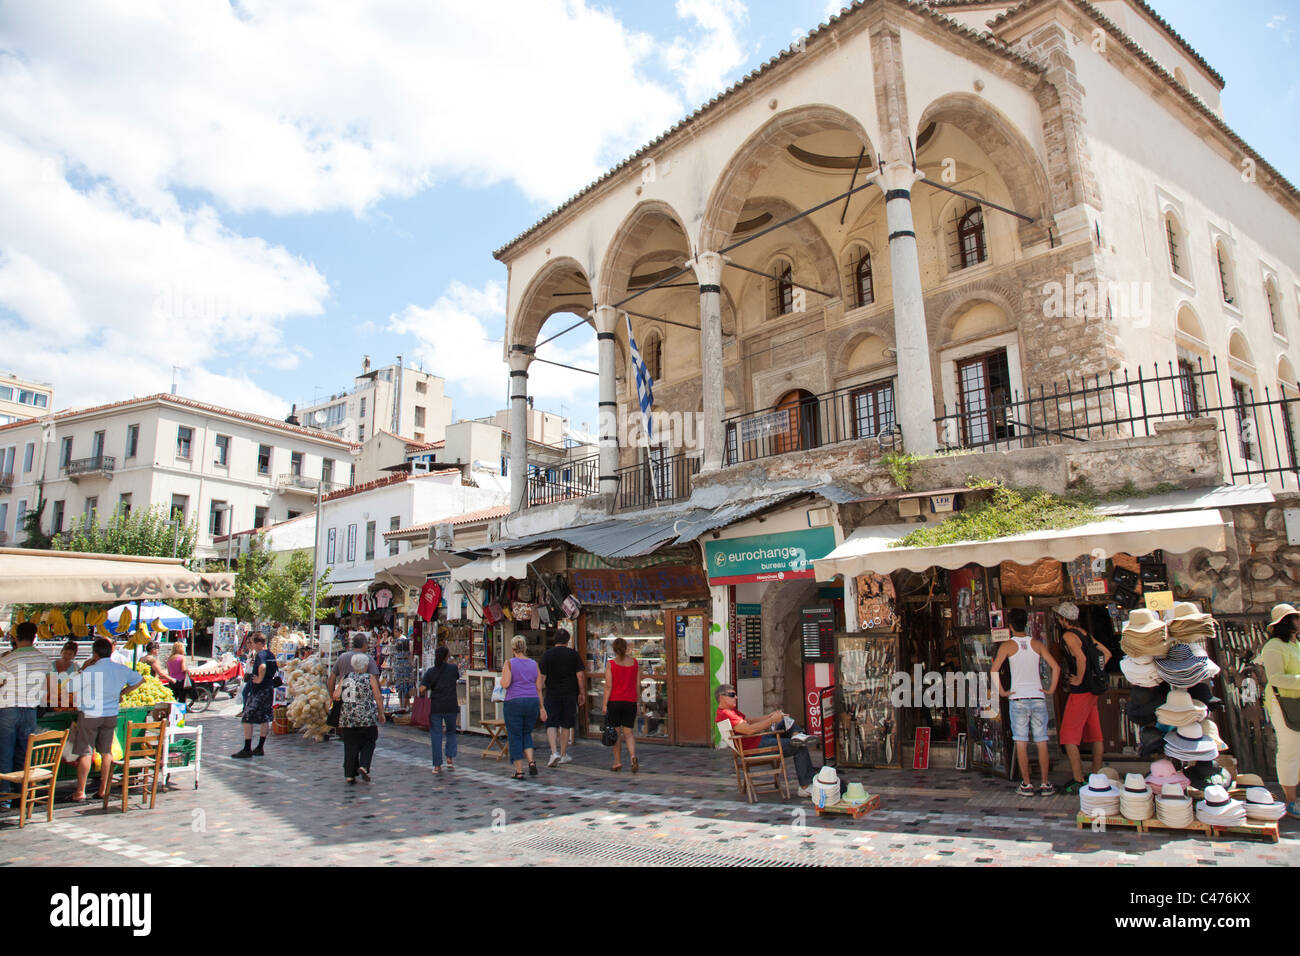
(801, 738)
(566, 759)
(805, 792)
(554, 761)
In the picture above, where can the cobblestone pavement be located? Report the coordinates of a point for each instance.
(293, 807)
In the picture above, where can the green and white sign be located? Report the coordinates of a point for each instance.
(767, 557)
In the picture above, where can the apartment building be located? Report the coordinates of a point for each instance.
(396, 399)
(216, 467)
(21, 399)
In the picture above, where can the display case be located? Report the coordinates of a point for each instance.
(643, 629)
(478, 700)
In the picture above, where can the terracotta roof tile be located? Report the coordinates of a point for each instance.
(486, 514)
(169, 399)
(917, 6)
(396, 479)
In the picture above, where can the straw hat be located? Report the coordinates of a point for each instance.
(1250, 780)
(1144, 634)
(855, 795)
(1100, 797)
(1174, 807)
(1279, 611)
(1211, 730)
(1112, 773)
(1220, 809)
(1186, 611)
(1136, 801)
(1163, 773)
(1140, 671)
(1261, 807)
(1179, 710)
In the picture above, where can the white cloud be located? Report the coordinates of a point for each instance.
(459, 338)
(1276, 21)
(703, 63)
(833, 8)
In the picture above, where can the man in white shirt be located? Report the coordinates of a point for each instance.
(99, 689)
(22, 689)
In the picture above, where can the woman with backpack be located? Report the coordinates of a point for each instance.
(1085, 665)
(439, 682)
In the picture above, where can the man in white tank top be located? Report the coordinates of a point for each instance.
(1028, 699)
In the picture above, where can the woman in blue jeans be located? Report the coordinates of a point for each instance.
(439, 683)
(523, 706)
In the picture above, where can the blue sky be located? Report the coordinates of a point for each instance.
(261, 198)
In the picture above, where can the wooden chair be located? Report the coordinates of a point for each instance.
(142, 755)
(758, 767)
(39, 775)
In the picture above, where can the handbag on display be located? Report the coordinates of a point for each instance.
(571, 607)
(521, 610)
(492, 613)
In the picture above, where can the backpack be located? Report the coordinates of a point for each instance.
(1095, 680)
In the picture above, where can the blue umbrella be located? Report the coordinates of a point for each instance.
(150, 611)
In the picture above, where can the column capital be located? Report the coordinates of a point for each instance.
(605, 317)
(899, 175)
(708, 269)
(520, 357)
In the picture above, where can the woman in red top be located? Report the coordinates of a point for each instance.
(622, 682)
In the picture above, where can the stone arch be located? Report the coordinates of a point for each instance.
(981, 317)
(1286, 372)
(626, 250)
(539, 301)
(1187, 324)
(1239, 349)
(864, 351)
(802, 242)
(1013, 157)
(951, 307)
(743, 169)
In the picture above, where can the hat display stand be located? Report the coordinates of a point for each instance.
(856, 802)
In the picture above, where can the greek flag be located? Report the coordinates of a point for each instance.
(644, 392)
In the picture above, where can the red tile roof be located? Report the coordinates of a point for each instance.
(916, 6)
(396, 479)
(411, 443)
(486, 514)
(169, 399)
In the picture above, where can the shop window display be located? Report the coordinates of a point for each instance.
(643, 629)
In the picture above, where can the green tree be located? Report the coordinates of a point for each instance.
(284, 593)
(36, 538)
(145, 531)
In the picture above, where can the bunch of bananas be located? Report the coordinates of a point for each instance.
(139, 638)
(98, 622)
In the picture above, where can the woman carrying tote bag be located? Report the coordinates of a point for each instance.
(1280, 658)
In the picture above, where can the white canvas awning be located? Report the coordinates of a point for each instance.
(70, 577)
(347, 588)
(413, 568)
(868, 550)
(502, 566)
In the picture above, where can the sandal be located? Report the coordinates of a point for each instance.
(450, 765)
(436, 771)
(617, 766)
(518, 775)
(635, 766)
(532, 768)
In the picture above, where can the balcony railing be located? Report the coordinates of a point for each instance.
(99, 465)
(846, 414)
(561, 481)
(304, 484)
(657, 481)
(1257, 435)
(6, 481)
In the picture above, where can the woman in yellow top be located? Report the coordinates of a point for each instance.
(1280, 658)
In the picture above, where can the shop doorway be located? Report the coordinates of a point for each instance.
(690, 687)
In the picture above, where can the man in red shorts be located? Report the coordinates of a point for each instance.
(1080, 723)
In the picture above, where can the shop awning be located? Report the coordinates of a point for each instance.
(69, 577)
(868, 550)
(413, 568)
(499, 566)
(348, 588)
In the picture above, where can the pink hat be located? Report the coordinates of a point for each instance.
(1163, 772)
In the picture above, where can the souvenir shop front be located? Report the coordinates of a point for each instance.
(782, 620)
(661, 608)
(914, 667)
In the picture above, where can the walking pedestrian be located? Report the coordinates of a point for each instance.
(362, 703)
(23, 673)
(178, 671)
(523, 684)
(99, 689)
(440, 684)
(564, 684)
(342, 667)
(259, 697)
(622, 680)
(1280, 658)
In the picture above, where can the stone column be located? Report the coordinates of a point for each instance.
(708, 271)
(520, 358)
(606, 320)
(914, 402)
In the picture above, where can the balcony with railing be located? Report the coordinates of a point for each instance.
(305, 485)
(563, 480)
(100, 466)
(815, 421)
(658, 481)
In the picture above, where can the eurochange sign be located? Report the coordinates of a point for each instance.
(767, 557)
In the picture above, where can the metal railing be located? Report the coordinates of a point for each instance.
(306, 483)
(846, 414)
(100, 464)
(1257, 435)
(657, 481)
(560, 481)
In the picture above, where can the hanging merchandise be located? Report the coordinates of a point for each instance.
(430, 598)
(383, 598)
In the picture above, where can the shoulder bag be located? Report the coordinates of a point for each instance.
(1290, 707)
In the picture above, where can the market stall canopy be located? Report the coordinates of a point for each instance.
(151, 611)
(868, 550)
(69, 577)
(412, 568)
(346, 588)
(490, 568)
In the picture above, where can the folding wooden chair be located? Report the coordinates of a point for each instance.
(758, 767)
(142, 755)
(38, 776)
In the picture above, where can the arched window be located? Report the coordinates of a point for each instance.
(863, 291)
(1174, 238)
(971, 247)
(1274, 307)
(781, 296)
(1225, 273)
